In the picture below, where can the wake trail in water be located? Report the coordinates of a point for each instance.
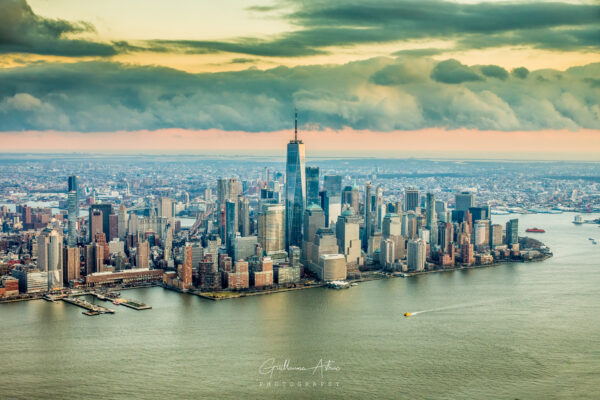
(456, 306)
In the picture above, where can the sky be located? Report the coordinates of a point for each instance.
(411, 78)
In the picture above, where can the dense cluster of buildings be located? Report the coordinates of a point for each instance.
(279, 230)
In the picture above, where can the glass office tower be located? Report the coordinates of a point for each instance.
(295, 189)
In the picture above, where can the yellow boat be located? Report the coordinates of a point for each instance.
(407, 314)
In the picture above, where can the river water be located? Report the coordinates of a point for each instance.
(527, 331)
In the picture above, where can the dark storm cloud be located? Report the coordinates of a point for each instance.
(243, 60)
(558, 26)
(379, 94)
(494, 71)
(22, 31)
(321, 24)
(452, 71)
(284, 47)
(419, 52)
(520, 72)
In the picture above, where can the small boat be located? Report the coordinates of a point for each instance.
(535, 230)
(407, 314)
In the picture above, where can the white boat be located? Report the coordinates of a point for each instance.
(338, 285)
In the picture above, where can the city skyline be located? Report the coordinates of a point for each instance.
(256, 199)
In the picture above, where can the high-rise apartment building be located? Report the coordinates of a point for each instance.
(72, 210)
(416, 255)
(55, 261)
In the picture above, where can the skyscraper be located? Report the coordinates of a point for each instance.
(348, 237)
(222, 191)
(72, 209)
(54, 258)
(416, 255)
(431, 219)
(368, 216)
(379, 208)
(512, 232)
(106, 211)
(70, 264)
(312, 186)
(165, 207)
(143, 255)
(233, 189)
(123, 220)
(411, 199)
(295, 189)
(350, 196)
(95, 223)
(244, 216)
(333, 197)
(464, 200)
(113, 226)
(495, 235)
(271, 228)
(186, 269)
(231, 224)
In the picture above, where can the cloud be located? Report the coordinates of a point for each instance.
(452, 71)
(324, 24)
(520, 72)
(22, 31)
(494, 71)
(319, 25)
(243, 60)
(379, 94)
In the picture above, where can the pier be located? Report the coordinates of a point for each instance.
(117, 300)
(91, 309)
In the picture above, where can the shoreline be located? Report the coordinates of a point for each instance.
(370, 276)
(464, 267)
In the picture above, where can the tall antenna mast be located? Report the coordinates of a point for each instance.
(296, 124)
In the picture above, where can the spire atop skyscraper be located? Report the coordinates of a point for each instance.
(295, 124)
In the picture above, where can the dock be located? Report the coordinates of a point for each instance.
(91, 309)
(120, 301)
(136, 305)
